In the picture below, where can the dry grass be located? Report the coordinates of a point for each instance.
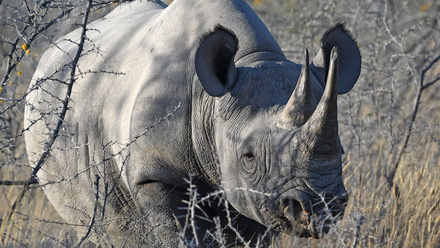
(375, 217)
(35, 222)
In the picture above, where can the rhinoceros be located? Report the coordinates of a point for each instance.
(187, 125)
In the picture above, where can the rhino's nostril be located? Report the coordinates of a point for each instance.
(293, 211)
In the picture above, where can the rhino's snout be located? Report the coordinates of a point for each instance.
(308, 217)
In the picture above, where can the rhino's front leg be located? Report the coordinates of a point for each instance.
(159, 223)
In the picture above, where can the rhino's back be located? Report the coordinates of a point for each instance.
(143, 48)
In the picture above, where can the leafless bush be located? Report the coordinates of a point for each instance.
(27, 26)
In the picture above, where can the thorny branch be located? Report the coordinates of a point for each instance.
(425, 70)
(37, 32)
(95, 209)
(72, 79)
(49, 144)
(33, 179)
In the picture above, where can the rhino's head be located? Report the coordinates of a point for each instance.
(279, 152)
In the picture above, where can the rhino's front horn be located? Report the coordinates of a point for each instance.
(302, 103)
(321, 130)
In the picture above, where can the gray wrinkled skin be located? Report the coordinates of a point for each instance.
(203, 95)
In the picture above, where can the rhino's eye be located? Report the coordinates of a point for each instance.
(248, 157)
(248, 164)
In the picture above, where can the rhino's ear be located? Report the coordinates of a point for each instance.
(348, 55)
(214, 62)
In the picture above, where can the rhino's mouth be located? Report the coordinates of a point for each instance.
(296, 220)
(315, 221)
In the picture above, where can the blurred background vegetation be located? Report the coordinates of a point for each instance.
(389, 123)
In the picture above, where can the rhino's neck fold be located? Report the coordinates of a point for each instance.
(202, 132)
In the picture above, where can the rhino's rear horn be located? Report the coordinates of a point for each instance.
(301, 104)
(321, 130)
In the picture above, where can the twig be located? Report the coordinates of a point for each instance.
(426, 69)
(9, 183)
(95, 208)
(359, 222)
